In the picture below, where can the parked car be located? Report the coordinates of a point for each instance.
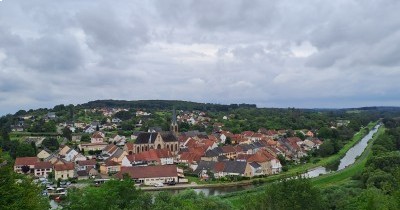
(159, 185)
(172, 182)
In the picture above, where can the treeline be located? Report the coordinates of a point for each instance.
(164, 105)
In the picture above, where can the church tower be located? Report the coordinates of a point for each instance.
(174, 123)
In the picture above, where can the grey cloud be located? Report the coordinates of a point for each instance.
(211, 51)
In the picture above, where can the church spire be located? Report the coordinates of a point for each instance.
(174, 122)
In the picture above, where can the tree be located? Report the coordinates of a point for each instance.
(300, 135)
(67, 133)
(123, 115)
(25, 150)
(111, 195)
(33, 145)
(289, 194)
(228, 141)
(51, 143)
(326, 149)
(282, 159)
(22, 194)
(85, 137)
(325, 133)
(25, 169)
(49, 127)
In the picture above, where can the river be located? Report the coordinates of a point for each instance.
(348, 159)
(350, 156)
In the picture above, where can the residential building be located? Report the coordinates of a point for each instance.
(25, 161)
(64, 171)
(150, 175)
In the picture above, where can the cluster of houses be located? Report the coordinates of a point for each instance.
(250, 154)
(193, 118)
(152, 157)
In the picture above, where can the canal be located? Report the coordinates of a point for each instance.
(349, 158)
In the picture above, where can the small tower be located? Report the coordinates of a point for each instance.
(174, 123)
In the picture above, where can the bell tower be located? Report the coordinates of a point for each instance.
(174, 123)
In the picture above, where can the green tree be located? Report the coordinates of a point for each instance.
(228, 141)
(294, 194)
(67, 133)
(300, 135)
(111, 195)
(25, 150)
(327, 148)
(85, 137)
(51, 144)
(22, 194)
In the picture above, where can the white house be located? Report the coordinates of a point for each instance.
(70, 155)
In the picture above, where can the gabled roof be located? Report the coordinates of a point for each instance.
(129, 146)
(43, 165)
(64, 167)
(205, 165)
(91, 162)
(146, 138)
(228, 149)
(82, 173)
(190, 157)
(110, 163)
(214, 152)
(255, 165)
(151, 155)
(235, 167)
(20, 161)
(168, 137)
(118, 153)
(247, 133)
(149, 171)
(111, 148)
(97, 135)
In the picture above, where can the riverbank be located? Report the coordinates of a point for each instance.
(295, 171)
(335, 178)
(342, 176)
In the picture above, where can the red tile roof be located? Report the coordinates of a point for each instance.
(129, 146)
(110, 148)
(190, 157)
(87, 162)
(43, 165)
(97, 135)
(64, 167)
(247, 133)
(151, 155)
(111, 163)
(228, 149)
(219, 167)
(149, 171)
(20, 161)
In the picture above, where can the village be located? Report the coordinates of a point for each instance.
(158, 158)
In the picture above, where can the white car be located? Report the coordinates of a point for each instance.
(159, 185)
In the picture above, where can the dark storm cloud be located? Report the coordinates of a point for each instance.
(274, 53)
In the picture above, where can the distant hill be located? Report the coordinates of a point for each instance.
(164, 104)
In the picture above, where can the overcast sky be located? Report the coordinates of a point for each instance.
(341, 53)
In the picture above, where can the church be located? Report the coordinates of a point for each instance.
(159, 140)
